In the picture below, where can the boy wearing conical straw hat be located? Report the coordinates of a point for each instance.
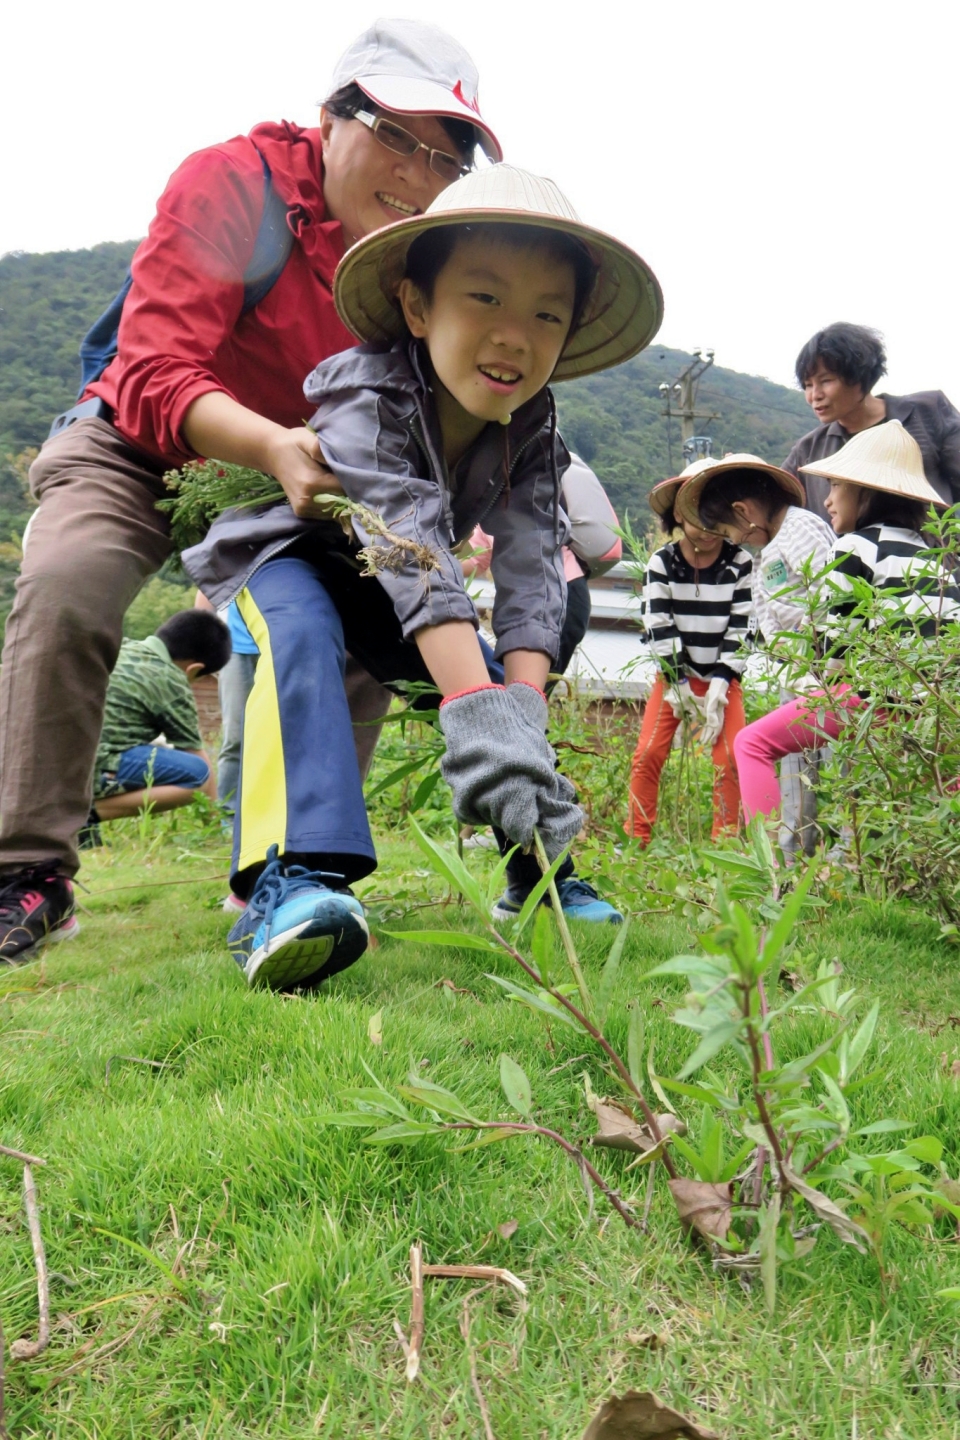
(441, 421)
(878, 500)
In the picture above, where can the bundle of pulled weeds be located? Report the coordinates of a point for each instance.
(204, 489)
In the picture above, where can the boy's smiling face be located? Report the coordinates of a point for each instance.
(495, 325)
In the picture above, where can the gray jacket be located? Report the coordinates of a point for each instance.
(931, 420)
(379, 434)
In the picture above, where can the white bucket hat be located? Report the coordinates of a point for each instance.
(884, 457)
(415, 69)
(620, 316)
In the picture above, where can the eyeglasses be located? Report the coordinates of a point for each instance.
(401, 142)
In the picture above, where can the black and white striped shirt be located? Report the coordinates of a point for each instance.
(911, 582)
(696, 620)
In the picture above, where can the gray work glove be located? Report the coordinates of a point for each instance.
(501, 769)
(561, 819)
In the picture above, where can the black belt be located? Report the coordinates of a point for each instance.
(92, 409)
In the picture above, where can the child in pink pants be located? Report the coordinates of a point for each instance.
(878, 500)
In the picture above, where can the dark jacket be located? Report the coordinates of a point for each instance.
(931, 420)
(379, 433)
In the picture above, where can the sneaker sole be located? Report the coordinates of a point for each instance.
(307, 952)
(500, 913)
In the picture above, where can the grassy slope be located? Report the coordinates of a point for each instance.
(297, 1236)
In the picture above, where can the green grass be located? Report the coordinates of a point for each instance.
(277, 1318)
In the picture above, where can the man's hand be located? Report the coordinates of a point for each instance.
(220, 428)
(296, 461)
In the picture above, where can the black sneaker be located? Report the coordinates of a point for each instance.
(90, 837)
(36, 906)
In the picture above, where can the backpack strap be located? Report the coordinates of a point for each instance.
(273, 245)
(271, 251)
(99, 345)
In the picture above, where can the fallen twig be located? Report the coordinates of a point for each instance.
(474, 1377)
(103, 1351)
(19, 1155)
(30, 1349)
(413, 1346)
(476, 1272)
(133, 1060)
(155, 884)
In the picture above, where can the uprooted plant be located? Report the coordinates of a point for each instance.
(769, 1135)
(204, 489)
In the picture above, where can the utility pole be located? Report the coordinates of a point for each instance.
(680, 399)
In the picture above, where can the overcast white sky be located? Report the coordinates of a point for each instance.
(779, 165)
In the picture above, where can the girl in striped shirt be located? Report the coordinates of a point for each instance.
(877, 505)
(696, 612)
(760, 505)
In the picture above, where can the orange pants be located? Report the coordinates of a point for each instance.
(653, 747)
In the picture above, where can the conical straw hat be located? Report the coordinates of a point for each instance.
(663, 496)
(688, 501)
(622, 313)
(885, 457)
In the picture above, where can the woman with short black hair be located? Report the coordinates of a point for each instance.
(836, 370)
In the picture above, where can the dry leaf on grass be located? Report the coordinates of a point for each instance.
(645, 1339)
(824, 1208)
(639, 1415)
(703, 1206)
(619, 1129)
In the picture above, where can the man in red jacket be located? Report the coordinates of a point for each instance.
(196, 375)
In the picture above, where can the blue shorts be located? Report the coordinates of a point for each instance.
(144, 765)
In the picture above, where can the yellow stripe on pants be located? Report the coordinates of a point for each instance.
(263, 790)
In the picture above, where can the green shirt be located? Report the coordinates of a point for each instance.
(147, 696)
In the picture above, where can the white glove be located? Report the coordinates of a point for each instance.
(715, 703)
(682, 701)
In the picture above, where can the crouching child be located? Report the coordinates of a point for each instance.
(149, 695)
(440, 421)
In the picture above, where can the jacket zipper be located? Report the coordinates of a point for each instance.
(513, 465)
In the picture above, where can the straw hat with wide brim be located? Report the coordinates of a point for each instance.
(885, 457)
(621, 315)
(663, 497)
(688, 500)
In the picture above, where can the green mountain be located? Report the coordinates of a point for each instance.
(47, 303)
(615, 420)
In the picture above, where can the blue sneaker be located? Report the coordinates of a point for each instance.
(578, 901)
(295, 930)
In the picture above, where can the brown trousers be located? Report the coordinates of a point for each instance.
(94, 541)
